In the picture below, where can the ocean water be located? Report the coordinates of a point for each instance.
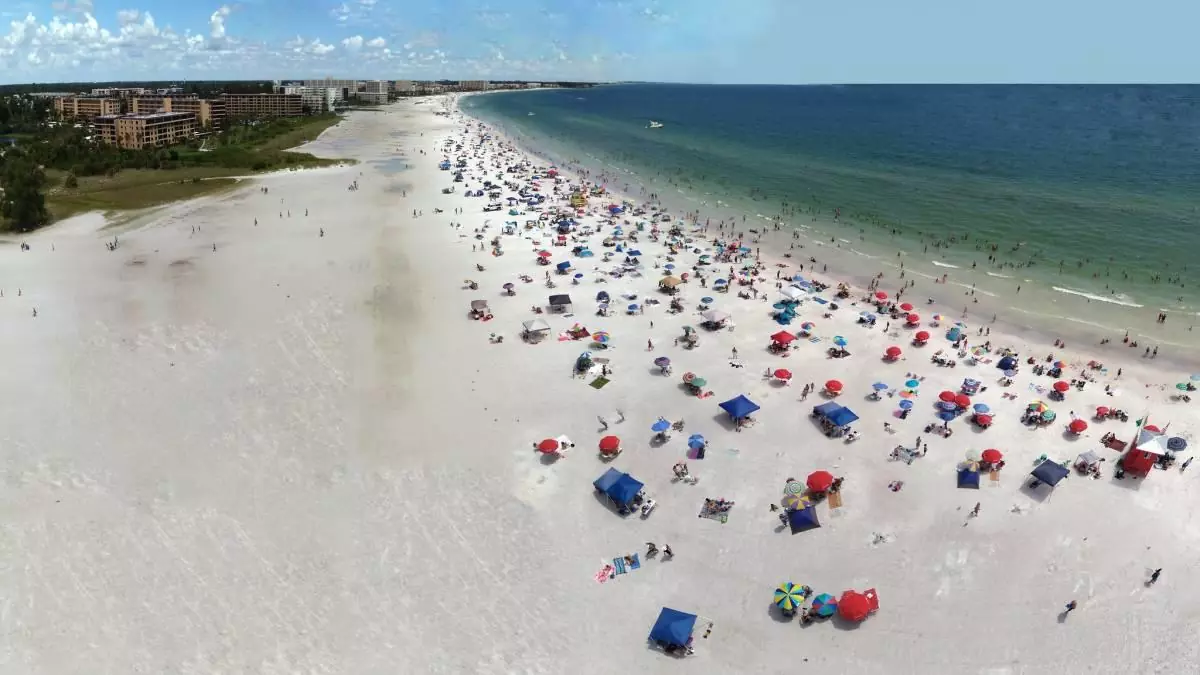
(1084, 195)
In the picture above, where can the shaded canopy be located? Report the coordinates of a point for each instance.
(1050, 472)
(620, 487)
(803, 520)
(739, 407)
(560, 300)
(673, 627)
(968, 478)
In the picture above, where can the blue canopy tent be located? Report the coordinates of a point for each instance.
(673, 627)
(563, 266)
(803, 520)
(968, 478)
(1050, 472)
(827, 409)
(619, 487)
(842, 417)
(740, 407)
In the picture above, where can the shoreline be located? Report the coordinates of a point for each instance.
(1048, 299)
(1082, 335)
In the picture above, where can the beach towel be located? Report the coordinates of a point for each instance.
(619, 566)
(599, 383)
(712, 515)
(835, 500)
(604, 574)
(994, 476)
(814, 339)
(820, 300)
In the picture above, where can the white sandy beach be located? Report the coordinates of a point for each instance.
(298, 454)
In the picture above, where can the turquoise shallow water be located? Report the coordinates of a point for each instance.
(1085, 194)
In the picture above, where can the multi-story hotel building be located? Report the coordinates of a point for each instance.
(345, 88)
(87, 107)
(210, 113)
(106, 128)
(374, 91)
(134, 132)
(316, 99)
(263, 105)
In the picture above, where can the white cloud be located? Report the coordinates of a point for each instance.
(127, 16)
(216, 22)
(377, 43)
(353, 43)
(318, 48)
(341, 13)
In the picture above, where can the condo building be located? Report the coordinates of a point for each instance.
(263, 105)
(87, 107)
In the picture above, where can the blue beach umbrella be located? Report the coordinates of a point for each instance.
(912, 384)
(839, 341)
(981, 408)
(879, 386)
(947, 406)
(1010, 373)
(579, 275)
(696, 441)
(707, 300)
(780, 306)
(635, 252)
(660, 426)
(824, 605)
(1196, 377)
(946, 416)
(906, 405)
(602, 296)
(633, 307)
(669, 266)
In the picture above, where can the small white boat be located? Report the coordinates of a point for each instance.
(655, 125)
(530, 114)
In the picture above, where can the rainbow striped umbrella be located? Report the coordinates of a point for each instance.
(601, 336)
(824, 604)
(789, 596)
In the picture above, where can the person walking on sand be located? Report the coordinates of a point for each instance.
(1071, 607)
(975, 511)
(667, 552)
(620, 416)
(1154, 576)
(1183, 467)
(603, 422)
(649, 345)
(651, 549)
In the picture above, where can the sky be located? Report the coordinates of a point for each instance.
(703, 41)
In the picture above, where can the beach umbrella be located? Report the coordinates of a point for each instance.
(1048, 415)
(1196, 377)
(807, 325)
(913, 319)
(947, 405)
(946, 416)
(781, 306)
(983, 420)
(833, 386)
(698, 381)
(662, 362)
(508, 286)
(793, 501)
(1062, 387)
(707, 300)
(938, 317)
(1077, 426)
(962, 401)
(1101, 411)
(601, 336)
(912, 384)
(579, 275)
(854, 606)
(789, 596)
(907, 393)
(880, 295)
(548, 446)
(669, 266)
(906, 307)
(544, 254)
(688, 377)
(1151, 427)
(660, 426)
(610, 445)
(905, 405)
(783, 374)
(947, 396)
(1182, 386)
(1176, 444)
(1010, 373)
(981, 408)
(879, 386)
(992, 455)
(921, 336)
(794, 487)
(696, 441)
(824, 605)
(839, 341)
(632, 308)
(819, 481)
(720, 282)
(893, 352)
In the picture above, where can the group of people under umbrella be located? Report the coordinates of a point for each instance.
(852, 606)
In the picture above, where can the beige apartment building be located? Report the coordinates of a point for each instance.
(263, 105)
(210, 113)
(374, 91)
(87, 107)
(153, 130)
(106, 128)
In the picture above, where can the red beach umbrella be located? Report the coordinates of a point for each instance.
(922, 336)
(893, 352)
(783, 337)
(854, 606)
(819, 481)
(1062, 387)
(906, 307)
(609, 445)
(914, 318)
(834, 386)
(992, 455)
(783, 374)
(1101, 411)
(983, 420)
(1077, 426)
(962, 401)
(1151, 427)
(548, 446)
(544, 254)
(947, 396)
(880, 295)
